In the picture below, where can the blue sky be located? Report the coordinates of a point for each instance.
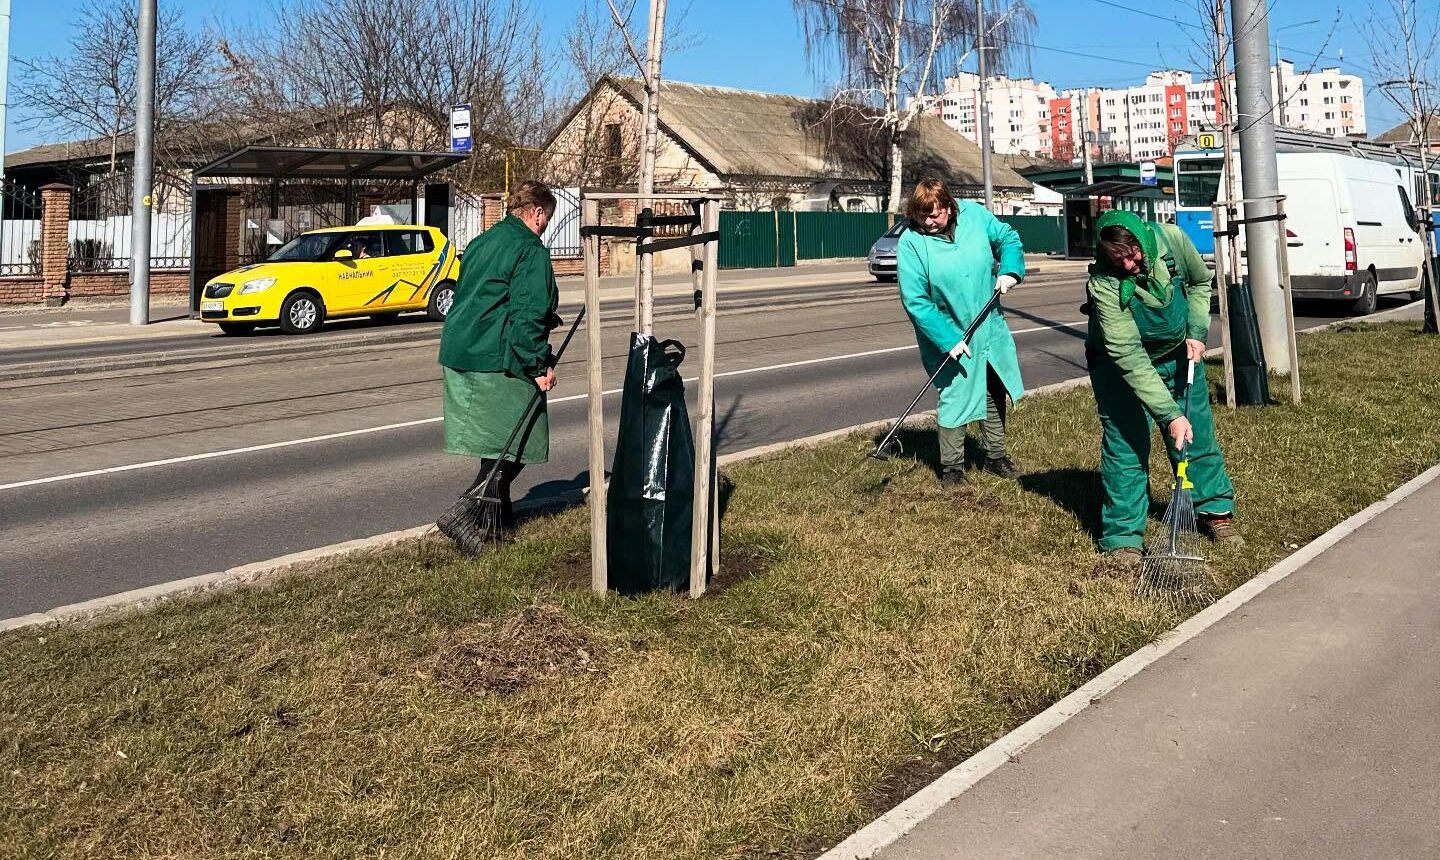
(756, 44)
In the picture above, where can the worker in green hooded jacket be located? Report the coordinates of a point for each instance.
(495, 347)
(1149, 300)
(950, 261)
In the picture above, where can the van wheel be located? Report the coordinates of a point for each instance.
(441, 300)
(1369, 295)
(302, 313)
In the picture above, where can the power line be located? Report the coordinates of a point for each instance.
(1151, 15)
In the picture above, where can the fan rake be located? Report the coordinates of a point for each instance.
(1172, 566)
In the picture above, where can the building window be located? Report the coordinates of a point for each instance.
(613, 154)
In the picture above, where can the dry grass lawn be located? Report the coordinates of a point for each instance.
(418, 704)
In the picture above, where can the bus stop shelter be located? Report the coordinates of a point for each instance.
(228, 195)
(1083, 205)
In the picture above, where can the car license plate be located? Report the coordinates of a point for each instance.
(212, 306)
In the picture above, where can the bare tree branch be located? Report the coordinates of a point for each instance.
(887, 53)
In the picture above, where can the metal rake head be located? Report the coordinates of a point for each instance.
(1173, 566)
(887, 448)
(473, 523)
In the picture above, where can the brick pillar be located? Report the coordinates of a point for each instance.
(493, 209)
(55, 243)
(234, 220)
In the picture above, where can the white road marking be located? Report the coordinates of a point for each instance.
(270, 446)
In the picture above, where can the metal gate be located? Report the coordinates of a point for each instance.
(562, 237)
(20, 230)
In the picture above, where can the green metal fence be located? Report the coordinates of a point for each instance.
(764, 239)
(1040, 234)
(748, 240)
(827, 235)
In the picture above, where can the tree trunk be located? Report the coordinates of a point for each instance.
(896, 170)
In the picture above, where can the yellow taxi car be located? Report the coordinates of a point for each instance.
(379, 271)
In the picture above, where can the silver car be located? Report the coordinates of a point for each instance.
(882, 253)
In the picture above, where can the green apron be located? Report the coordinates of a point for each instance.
(1126, 425)
(481, 411)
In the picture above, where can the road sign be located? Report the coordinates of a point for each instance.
(1207, 140)
(460, 138)
(1147, 173)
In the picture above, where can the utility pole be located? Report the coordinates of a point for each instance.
(1085, 162)
(645, 263)
(984, 105)
(4, 76)
(1259, 176)
(142, 167)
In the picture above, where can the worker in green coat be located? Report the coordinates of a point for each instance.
(1149, 301)
(950, 261)
(495, 347)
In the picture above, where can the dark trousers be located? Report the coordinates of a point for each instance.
(499, 487)
(992, 429)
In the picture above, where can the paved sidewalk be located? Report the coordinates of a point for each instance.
(1302, 725)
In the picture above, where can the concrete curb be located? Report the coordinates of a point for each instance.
(263, 571)
(235, 577)
(888, 828)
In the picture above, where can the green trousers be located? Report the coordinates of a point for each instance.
(1125, 451)
(992, 429)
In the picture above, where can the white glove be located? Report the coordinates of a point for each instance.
(959, 349)
(1005, 282)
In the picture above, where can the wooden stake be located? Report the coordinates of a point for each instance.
(705, 514)
(1291, 345)
(599, 574)
(1219, 215)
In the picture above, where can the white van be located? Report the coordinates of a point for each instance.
(1351, 231)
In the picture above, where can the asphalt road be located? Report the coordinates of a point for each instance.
(832, 358)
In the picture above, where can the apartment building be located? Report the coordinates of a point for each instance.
(1019, 112)
(1143, 122)
(1325, 100)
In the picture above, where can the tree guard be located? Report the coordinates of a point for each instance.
(703, 240)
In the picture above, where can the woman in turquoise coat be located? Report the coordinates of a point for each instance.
(951, 260)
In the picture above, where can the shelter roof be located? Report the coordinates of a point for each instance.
(304, 162)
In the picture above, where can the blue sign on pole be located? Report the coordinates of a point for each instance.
(460, 137)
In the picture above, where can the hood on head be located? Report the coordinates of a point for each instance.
(1132, 222)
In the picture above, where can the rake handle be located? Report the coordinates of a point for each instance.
(992, 304)
(530, 407)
